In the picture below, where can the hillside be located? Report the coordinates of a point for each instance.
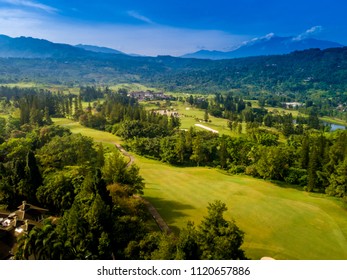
(98, 49)
(299, 71)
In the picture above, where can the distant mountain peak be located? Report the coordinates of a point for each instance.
(28, 47)
(269, 44)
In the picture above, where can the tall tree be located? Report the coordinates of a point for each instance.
(219, 239)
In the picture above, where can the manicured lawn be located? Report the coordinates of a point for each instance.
(280, 222)
(106, 138)
(283, 223)
(132, 87)
(190, 116)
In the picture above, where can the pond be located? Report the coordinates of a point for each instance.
(334, 126)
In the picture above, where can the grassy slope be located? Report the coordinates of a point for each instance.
(280, 222)
(283, 223)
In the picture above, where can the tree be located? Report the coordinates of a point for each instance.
(338, 181)
(312, 169)
(33, 176)
(274, 162)
(115, 170)
(187, 244)
(218, 238)
(66, 150)
(313, 120)
(206, 116)
(223, 153)
(198, 154)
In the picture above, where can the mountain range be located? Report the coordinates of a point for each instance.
(267, 45)
(27, 47)
(98, 49)
(33, 60)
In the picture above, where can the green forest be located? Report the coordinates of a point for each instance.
(92, 193)
(89, 190)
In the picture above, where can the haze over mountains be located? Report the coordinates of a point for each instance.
(27, 59)
(27, 47)
(98, 49)
(267, 45)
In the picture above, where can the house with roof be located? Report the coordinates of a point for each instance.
(14, 224)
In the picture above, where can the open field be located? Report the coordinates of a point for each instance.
(280, 222)
(283, 223)
(190, 116)
(99, 136)
(23, 85)
(132, 87)
(51, 87)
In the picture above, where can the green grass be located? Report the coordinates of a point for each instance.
(281, 222)
(51, 87)
(106, 138)
(23, 85)
(189, 116)
(334, 120)
(295, 113)
(132, 87)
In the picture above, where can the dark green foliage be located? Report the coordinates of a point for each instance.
(214, 239)
(296, 72)
(218, 238)
(67, 150)
(59, 189)
(116, 170)
(89, 93)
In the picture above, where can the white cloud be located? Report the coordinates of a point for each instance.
(140, 17)
(15, 22)
(313, 30)
(31, 4)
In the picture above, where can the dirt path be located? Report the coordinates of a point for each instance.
(207, 128)
(155, 214)
(126, 154)
(152, 210)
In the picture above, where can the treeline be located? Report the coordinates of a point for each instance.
(237, 111)
(313, 160)
(37, 106)
(297, 72)
(122, 115)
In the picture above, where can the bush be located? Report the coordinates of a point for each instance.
(237, 169)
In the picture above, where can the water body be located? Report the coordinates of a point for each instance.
(335, 126)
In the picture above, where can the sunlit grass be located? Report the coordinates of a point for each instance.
(279, 221)
(283, 223)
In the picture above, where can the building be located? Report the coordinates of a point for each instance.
(148, 95)
(14, 224)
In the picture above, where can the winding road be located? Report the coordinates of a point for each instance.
(152, 210)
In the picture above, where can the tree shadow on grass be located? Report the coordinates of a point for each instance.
(170, 210)
(285, 185)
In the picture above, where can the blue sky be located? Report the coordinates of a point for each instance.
(172, 27)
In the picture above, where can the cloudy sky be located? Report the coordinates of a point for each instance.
(174, 27)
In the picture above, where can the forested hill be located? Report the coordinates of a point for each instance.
(300, 70)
